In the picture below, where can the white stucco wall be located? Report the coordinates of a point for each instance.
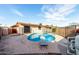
(36, 30)
(20, 30)
(46, 30)
(42, 30)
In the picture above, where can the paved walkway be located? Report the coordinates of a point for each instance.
(20, 45)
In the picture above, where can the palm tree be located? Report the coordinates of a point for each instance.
(53, 28)
(40, 26)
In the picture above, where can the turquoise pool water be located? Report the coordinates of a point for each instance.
(36, 37)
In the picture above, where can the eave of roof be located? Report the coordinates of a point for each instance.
(30, 24)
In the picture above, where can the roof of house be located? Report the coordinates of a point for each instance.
(29, 24)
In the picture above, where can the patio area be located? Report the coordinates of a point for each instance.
(18, 44)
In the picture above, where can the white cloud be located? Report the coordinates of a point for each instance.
(57, 13)
(67, 9)
(17, 12)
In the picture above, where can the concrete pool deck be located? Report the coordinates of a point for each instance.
(21, 45)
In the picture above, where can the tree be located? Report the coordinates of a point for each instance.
(53, 28)
(40, 26)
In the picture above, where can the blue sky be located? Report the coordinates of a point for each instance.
(56, 14)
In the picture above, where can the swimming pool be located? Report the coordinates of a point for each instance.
(37, 37)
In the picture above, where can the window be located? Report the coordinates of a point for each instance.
(26, 29)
